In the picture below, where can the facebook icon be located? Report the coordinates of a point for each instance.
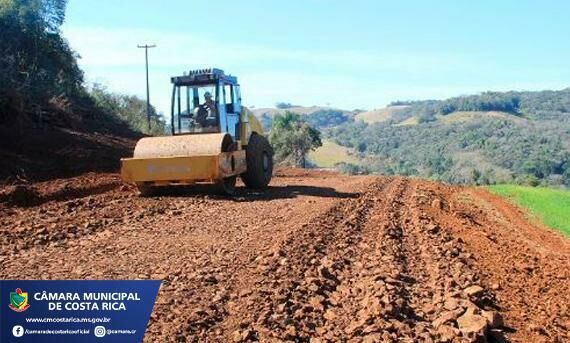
(18, 331)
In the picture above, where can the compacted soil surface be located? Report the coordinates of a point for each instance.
(318, 257)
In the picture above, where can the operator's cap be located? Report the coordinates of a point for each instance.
(207, 95)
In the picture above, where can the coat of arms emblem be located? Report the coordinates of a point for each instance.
(19, 300)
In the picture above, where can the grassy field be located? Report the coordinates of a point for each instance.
(551, 206)
(379, 115)
(330, 154)
(409, 122)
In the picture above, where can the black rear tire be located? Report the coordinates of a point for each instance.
(259, 161)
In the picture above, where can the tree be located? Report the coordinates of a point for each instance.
(45, 15)
(128, 108)
(41, 82)
(292, 138)
(36, 62)
(283, 105)
(327, 118)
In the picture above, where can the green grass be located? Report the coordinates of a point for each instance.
(330, 154)
(551, 206)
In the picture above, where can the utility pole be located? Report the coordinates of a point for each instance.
(146, 47)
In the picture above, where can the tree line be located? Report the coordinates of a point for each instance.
(528, 104)
(529, 144)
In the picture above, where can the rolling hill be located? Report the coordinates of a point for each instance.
(520, 137)
(492, 137)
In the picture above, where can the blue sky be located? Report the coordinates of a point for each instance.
(347, 54)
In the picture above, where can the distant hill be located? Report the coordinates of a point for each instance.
(532, 105)
(492, 137)
(521, 137)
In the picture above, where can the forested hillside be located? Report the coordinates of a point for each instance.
(53, 124)
(521, 137)
(41, 84)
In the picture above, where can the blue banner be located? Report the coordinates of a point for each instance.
(75, 311)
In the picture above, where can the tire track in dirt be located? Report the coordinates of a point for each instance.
(385, 272)
(411, 281)
(286, 296)
(213, 287)
(445, 288)
(369, 303)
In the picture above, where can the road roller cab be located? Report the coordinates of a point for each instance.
(214, 139)
(206, 101)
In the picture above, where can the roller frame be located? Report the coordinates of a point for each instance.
(185, 159)
(183, 169)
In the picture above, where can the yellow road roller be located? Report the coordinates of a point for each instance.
(214, 139)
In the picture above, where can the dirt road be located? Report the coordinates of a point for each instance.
(319, 257)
